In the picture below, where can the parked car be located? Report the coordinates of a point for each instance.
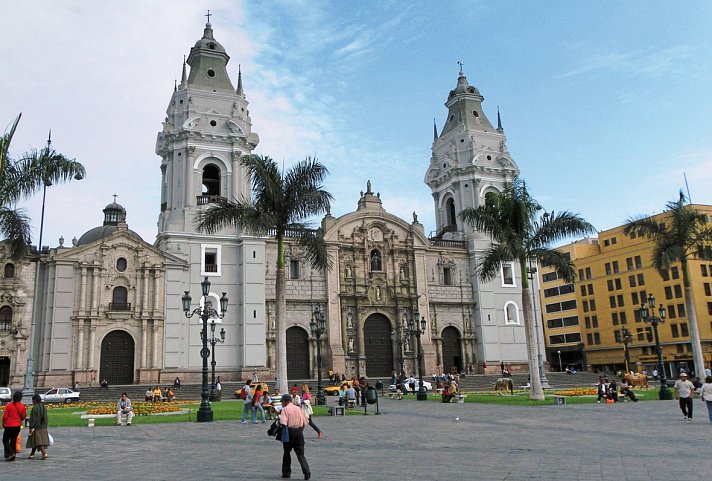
(334, 390)
(5, 395)
(426, 385)
(60, 395)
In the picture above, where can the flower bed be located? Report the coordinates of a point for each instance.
(141, 408)
(578, 391)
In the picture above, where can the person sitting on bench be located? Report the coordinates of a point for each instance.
(350, 396)
(124, 408)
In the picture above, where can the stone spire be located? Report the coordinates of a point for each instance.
(239, 80)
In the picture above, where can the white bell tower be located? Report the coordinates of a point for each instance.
(206, 131)
(469, 159)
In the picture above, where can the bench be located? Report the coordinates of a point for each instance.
(332, 403)
(93, 417)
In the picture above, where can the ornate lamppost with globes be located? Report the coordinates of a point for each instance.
(417, 329)
(213, 340)
(648, 316)
(399, 339)
(318, 328)
(205, 414)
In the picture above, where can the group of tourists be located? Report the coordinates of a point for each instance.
(13, 416)
(159, 395)
(608, 390)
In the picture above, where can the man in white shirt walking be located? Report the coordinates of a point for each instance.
(684, 391)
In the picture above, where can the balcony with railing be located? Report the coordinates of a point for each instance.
(209, 199)
(211, 267)
(119, 306)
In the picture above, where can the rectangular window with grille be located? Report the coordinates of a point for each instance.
(641, 280)
(674, 331)
(668, 292)
(594, 321)
(629, 263)
(684, 331)
(616, 270)
(681, 310)
(674, 272)
(708, 291)
(631, 281)
(624, 320)
(671, 311)
(678, 291)
(638, 262)
(294, 268)
(634, 298)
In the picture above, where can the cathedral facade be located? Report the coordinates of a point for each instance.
(110, 305)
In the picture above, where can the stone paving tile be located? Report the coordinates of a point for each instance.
(627, 442)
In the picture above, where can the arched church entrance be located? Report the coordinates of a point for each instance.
(452, 354)
(117, 358)
(379, 350)
(297, 353)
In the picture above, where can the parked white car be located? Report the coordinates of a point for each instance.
(426, 385)
(60, 395)
(5, 395)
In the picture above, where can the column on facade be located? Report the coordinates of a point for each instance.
(156, 291)
(83, 292)
(80, 343)
(92, 344)
(95, 292)
(155, 344)
(144, 291)
(144, 343)
(164, 168)
(189, 197)
(235, 178)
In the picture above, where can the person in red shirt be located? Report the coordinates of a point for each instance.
(12, 418)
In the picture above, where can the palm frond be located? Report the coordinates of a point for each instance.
(232, 214)
(15, 227)
(558, 260)
(314, 248)
(490, 264)
(557, 226)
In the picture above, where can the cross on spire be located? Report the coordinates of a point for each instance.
(115, 196)
(460, 64)
(208, 15)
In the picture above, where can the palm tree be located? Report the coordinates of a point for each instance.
(21, 178)
(682, 233)
(519, 234)
(281, 202)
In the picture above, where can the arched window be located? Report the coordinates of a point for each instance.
(451, 217)
(5, 318)
(119, 299)
(9, 270)
(490, 199)
(511, 313)
(376, 264)
(211, 180)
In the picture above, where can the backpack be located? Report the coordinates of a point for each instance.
(243, 393)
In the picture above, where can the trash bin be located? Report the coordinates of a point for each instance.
(379, 385)
(371, 395)
(560, 400)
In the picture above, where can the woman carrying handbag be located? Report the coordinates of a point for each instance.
(38, 438)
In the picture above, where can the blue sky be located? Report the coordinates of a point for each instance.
(604, 104)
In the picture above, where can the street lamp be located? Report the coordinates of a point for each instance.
(28, 388)
(318, 328)
(399, 340)
(648, 316)
(205, 414)
(416, 330)
(560, 367)
(625, 340)
(214, 340)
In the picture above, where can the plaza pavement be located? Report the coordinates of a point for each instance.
(626, 442)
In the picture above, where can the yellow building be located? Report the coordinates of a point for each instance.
(585, 322)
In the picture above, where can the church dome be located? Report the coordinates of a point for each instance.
(114, 219)
(208, 42)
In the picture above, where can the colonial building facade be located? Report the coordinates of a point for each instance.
(111, 303)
